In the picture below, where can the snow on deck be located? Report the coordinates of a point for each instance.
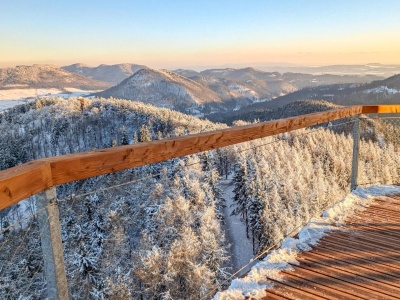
(277, 267)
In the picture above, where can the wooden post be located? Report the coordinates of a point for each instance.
(354, 165)
(50, 235)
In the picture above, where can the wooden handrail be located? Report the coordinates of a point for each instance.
(380, 109)
(25, 180)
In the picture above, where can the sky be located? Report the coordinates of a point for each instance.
(199, 33)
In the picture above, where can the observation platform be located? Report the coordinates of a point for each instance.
(360, 261)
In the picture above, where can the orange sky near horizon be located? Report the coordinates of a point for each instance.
(181, 34)
(382, 49)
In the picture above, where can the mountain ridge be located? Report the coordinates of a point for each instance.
(162, 88)
(113, 74)
(217, 90)
(46, 76)
(386, 91)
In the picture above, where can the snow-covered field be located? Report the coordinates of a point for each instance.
(21, 94)
(15, 96)
(4, 104)
(255, 283)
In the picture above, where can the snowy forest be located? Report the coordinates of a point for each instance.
(157, 232)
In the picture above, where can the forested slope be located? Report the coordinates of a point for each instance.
(154, 232)
(158, 235)
(297, 108)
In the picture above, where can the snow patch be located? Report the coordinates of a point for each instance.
(20, 94)
(12, 97)
(256, 281)
(382, 89)
(261, 100)
(242, 248)
(244, 91)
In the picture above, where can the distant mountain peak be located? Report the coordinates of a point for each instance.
(79, 65)
(162, 88)
(112, 74)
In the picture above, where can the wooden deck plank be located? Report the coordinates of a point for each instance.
(290, 290)
(362, 268)
(344, 281)
(385, 211)
(321, 288)
(379, 215)
(365, 259)
(385, 231)
(365, 240)
(324, 283)
(388, 200)
(352, 273)
(361, 260)
(368, 238)
(274, 295)
(385, 228)
(352, 241)
(295, 282)
(392, 258)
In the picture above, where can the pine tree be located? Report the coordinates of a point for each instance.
(241, 192)
(135, 137)
(124, 139)
(144, 134)
(255, 210)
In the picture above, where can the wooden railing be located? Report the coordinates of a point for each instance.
(41, 176)
(25, 180)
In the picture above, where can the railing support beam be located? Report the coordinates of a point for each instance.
(354, 165)
(50, 235)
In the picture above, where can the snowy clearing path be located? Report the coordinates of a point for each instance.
(242, 248)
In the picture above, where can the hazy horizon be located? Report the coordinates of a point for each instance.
(184, 34)
(196, 67)
(260, 66)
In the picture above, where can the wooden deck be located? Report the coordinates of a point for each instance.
(360, 262)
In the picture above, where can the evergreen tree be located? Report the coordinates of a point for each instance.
(124, 139)
(144, 134)
(241, 195)
(135, 137)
